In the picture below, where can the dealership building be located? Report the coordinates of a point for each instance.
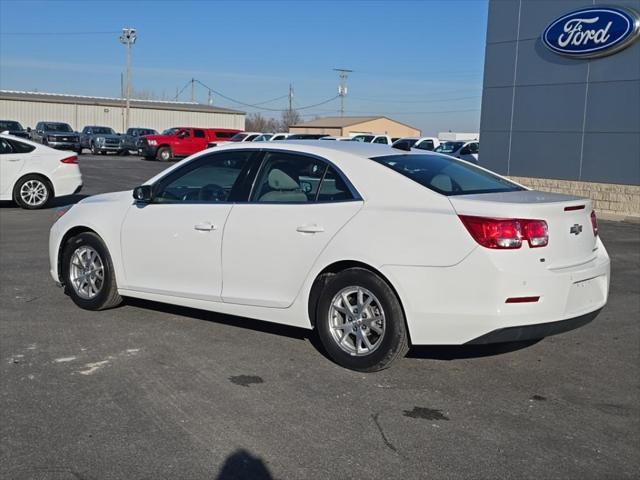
(561, 98)
(29, 108)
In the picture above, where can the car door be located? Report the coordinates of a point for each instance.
(199, 140)
(298, 203)
(11, 163)
(172, 245)
(182, 145)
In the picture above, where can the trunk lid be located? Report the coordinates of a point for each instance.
(571, 238)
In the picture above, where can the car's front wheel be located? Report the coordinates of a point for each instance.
(360, 321)
(164, 154)
(94, 149)
(32, 192)
(87, 272)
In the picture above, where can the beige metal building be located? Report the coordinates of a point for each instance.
(343, 126)
(28, 108)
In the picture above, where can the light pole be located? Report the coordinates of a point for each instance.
(128, 38)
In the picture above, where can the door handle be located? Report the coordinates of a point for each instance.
(310, 229)
(13, 159)
(205, 227)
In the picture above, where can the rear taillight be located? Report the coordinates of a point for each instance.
(594, 223)
(506, 233)
(73, 159)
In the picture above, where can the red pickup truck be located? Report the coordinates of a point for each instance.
(181, 142)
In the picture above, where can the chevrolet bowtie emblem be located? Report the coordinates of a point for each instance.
(576, 229)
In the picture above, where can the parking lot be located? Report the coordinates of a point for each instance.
(155, 391)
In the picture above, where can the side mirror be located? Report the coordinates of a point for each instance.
(143, 194)
(28, 129)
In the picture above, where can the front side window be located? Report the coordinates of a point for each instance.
(425, 145)
(209, 179)
(10, 125)
(363, 138)
(446, 175)
(238, 137)
(288, 178)
(381, 140)
(474, 147)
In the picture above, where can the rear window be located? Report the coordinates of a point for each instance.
(446, 175)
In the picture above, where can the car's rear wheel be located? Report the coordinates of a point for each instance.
(124, 153)
(79, 151)
(88, 274)
(360, 321)
(164, 154)
(32, 192)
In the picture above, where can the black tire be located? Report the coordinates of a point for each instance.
(79, 151)
(107, 296)
(146, 157)
(124, 153)
(94, 150)
(393, 343)
(164, 154)
(41, 184)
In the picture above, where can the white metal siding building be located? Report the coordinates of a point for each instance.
(28, 108)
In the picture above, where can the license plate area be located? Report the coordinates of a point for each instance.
(586, 294)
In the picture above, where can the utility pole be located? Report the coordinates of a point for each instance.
(342, 88)
(290, 99)
(193, 90)
(128, 38)
(209, 99)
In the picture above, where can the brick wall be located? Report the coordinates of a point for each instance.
(620, 202)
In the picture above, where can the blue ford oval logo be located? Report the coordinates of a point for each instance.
(592, 32)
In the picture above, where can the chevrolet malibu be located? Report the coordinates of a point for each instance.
(374, 247)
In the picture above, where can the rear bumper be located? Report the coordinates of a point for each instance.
(466, 302)
(534, 332)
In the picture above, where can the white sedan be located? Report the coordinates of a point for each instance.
(32, 174)
(372, 246)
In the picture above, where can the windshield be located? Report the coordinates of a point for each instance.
(263, 138)
(9, 125)
(238, 137)
(57, 127)
(448, 147)
(446, 175)
(103, 131)
(363, 138)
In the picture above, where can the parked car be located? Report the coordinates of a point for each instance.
(32, 174)
(101, 140)
(467, 151)
(264, 137)
(306, 136)
(131, 139)
(371, 138)
(57, 135)
(421, 143)
(14, 128)
(453, 254)
(181, 142)
(339, 139)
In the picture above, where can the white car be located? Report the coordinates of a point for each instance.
(372, 138)
(272, 137)
(372, 246)
(467, 151)
(421, 143)
(33, 174)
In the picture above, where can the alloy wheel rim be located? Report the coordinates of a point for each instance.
(33, 193)
(357, 321)
(86, 272)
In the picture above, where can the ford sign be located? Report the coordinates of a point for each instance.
(592, 32)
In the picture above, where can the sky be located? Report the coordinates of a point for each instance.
(419, 62)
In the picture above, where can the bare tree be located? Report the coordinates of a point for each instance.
(256, 122)
(289, 117)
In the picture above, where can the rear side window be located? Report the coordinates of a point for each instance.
(425, 145)
(13, 146)
(224, 134)
(446, 175)
(198, 133)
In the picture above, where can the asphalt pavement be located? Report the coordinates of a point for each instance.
(150, 391)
